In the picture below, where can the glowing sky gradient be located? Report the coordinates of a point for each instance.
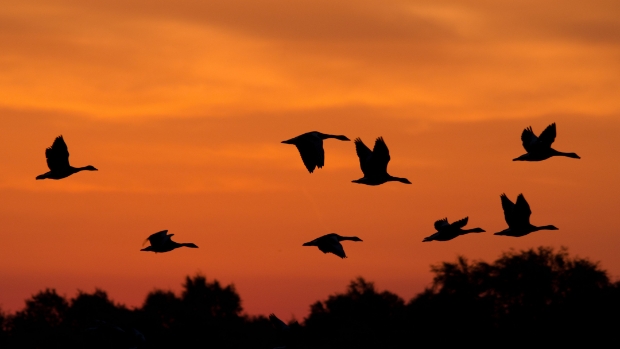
(182, 105)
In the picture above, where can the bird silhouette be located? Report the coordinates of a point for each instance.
(539, 148)
(310, 146)
(447, 231)
(277, 323)
(330, 243)
(517, 217)
(162, 242)
(286, 334)
(58, 161)
(374, 163)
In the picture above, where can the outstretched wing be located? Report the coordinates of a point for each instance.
(57, 155)
(319, 152)
(364, 154)
(334, 247)
(159, 237)
(461, 223)
(308, 155)
(441, 224)
(529, 139)
(508, 207)
(277, 323)
(380, 156)
(547, 137)
(522, 210)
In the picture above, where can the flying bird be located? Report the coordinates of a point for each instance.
(310, 146)
(287, 334)
(277, 323)
(374, 163)
(447, 231)
(517, 217)
(539, 148)
(58, 161)
(330, 243)
(162, 242)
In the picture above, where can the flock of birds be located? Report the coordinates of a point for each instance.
(373, 164)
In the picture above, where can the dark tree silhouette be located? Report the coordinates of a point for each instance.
(359, 318)
(41, 322)
(3, 329)
(535, 297)
(530, 295)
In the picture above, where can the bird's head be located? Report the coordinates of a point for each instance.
(342, 138)
(90, 168)
(355, 238)
(148, 248)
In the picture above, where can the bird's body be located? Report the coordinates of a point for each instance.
(539, 148)
(330, 243)
(310, 146)
(447, 231)
(374, 163)
(162, 242)
(58, 161)
(517, 216)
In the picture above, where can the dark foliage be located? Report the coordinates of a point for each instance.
(535, 297)
(359, 318)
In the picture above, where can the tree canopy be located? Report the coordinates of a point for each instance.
(537, 296)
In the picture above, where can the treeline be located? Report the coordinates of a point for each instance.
(535, 297)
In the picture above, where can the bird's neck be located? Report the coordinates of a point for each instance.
(326, 136)
(398, 179)
(568, 155)
(545, 227)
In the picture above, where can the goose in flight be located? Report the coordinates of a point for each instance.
(162, 242)
(447, 231)
(539, 148)
(374, 163)
(517, 217)
(58, 161)
(287, 334)
(330, 243)
(277, 323)
(310, 146)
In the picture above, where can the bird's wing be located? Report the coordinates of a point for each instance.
(308, 155)
(461, 223)
(508, 207)
(441, 224)
(334, 247)
(364, 154)
(319, 152)
(380, 155)
(522, 209)
(57, 155)
(529, 139)
(547, 137)
(277, 323)
(159, 237)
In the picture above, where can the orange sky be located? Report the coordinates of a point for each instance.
(182, 106)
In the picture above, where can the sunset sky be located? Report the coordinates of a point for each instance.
(182, 106)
